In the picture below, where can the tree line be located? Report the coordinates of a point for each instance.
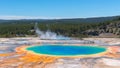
(26, 28)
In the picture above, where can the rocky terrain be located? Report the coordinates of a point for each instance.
(110, 29)
(10, 59)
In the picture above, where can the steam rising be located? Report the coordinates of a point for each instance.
(49, 35)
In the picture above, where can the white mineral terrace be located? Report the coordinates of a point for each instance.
(9, 44)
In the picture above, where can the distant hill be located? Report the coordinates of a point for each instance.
(88, 20)
(72, 20)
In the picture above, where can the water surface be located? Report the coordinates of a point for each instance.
(66, 50)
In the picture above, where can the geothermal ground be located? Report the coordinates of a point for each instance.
(10, 58)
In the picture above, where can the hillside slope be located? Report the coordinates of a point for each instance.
(110, 28)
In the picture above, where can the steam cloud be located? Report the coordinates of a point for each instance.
(49, 35)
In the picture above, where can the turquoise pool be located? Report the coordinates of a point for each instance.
(65, 50)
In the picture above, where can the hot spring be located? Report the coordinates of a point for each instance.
(65, 50)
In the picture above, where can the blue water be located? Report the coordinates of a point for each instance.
(64, 50)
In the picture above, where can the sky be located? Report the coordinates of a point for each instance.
(50, 9)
